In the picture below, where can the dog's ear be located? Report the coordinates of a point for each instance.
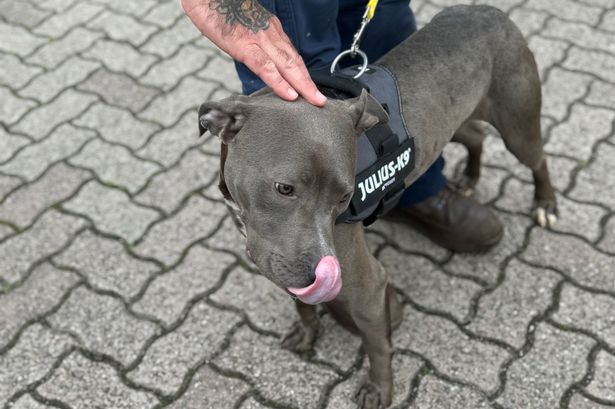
(366, 112)
(223, 118)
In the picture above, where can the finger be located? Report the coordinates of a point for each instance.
(291, 67)
(263, 66)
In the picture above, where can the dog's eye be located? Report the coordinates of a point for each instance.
(284, 189)
(345, 198)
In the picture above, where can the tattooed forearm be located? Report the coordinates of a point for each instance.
(249, 13)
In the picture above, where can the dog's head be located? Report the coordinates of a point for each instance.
(288, 171)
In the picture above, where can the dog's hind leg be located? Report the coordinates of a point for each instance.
(471, 135)
(303, 333)
(516, 116)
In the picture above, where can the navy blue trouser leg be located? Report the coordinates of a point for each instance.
(320, 29)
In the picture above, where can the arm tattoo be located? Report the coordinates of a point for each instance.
(249, 13)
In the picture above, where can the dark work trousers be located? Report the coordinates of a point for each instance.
(320, 29)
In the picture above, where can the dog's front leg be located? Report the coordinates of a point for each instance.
(372, 317)
(303, 333)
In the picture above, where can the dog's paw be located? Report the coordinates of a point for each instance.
(370, 396)
(545, 213)
(299, 339)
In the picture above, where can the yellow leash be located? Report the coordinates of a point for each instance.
(354, 49)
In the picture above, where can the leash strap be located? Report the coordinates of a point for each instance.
(354, 49)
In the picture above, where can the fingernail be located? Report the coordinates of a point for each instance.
(320, 98)
(292, 93)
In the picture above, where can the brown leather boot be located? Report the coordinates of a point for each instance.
(453, 221)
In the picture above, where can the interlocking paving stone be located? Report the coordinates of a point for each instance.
(112, 211)
(267, 306)
(122, 27)
(50, 232)
(120, 57)
(538, 379)
(167, 190)
(115, 165)
(59, 24)
(168, 107)
(167, 239)
(9, 144)
(15, 73)
(166, 42)
(128, 7)
(46, 86)
(573, 217)
(528, 21)
(561, 90)
(56, 5)
(603, 383)
(608, 241)
(581, 402)
(32, 161)
(168, 145)
(8, 183)
(169, 72)
(598, 63)
(119, 90)
(106, 264)
(505, 313)
(117, 125)
(210, 389)
(5, 231)
(451, 351)
(13, 107)
(585, 126)
(22, 13)
(17, 40)
(171, 292)
(27, 202)
(580, 34)
(488, 268)
(51, 54)
(102, 324)
(40, 293)
(547, 52)
(592, 185)
(335, 344)
(251, 403)
(169, 358)
(219, 67)
(408, 239)
(567, 9)
(82, 383)
(585, 310)
(30, 359)
(435, 393)
(259, 357)
(164, 14)
(40, 121)
(601, 93)
(572, 256)
(404, 370)
(608, 20)
(26, 402)
(424, 282)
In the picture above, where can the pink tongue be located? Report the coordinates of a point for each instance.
(325, 287)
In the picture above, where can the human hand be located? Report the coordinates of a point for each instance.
(252, 35)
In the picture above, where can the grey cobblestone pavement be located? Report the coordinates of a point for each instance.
(124, 284)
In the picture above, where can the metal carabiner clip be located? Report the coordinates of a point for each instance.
(354, 48)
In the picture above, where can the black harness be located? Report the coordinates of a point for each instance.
(385, 152)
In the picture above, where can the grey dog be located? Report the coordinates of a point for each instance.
(288, 168)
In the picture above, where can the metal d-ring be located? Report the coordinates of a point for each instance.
(353, 52)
